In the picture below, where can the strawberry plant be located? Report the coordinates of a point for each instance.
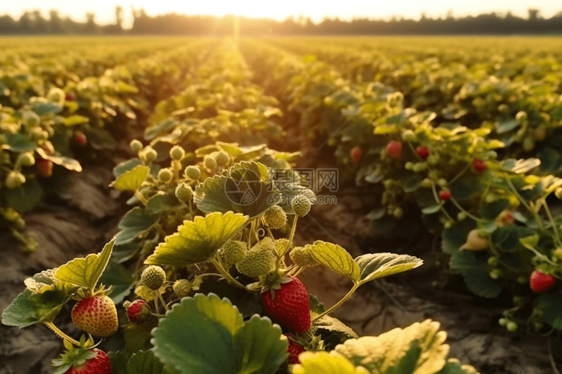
(200, 312)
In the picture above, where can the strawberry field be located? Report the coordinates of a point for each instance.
(284, 205)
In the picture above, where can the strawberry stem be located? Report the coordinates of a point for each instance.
(338, 304)
(60, 333)
(226, 274)
(140, 197)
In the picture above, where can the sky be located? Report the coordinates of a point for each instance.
(316, 10)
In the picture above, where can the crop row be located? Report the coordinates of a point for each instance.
(491, 210)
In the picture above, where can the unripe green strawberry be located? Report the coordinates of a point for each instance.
(433, 159)
(210, 162)
(257, 262)
(281, 245)
(223, 159)
(503, 321)
(193, 172)
(38, 133)
(165, 175)
(289, 305)
(149, 154)
(138, 311)
(14, 179)
(82, 361)
(528, 144)
(96, 315)
(426, 183)
(540, 133)
(182, 288)
(442, 182)
(26, 159)
(503, 108)
(408, 136)
(31, 119)
(233, 252)
(177, 152)
(521, 116)
(153, 277)
(136, 145)
(511, 326)
(184, 192)
(398, 213)
(275, 217)
(56, 95)
(301, 205)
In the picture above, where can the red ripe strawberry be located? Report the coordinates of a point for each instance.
(444, 195)
(294, 351)
(289, 305)
(138, 311)
(96, 315)
(356, 153)
(423, 152)
(80, 138)
(83, 361)
(69, 97)
(44, 167)
(541, 282)
(394, 149)
(479, 165)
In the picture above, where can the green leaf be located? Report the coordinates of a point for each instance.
(335, 258)
(475, 275)
(455, 236)
(466, 187)
(75, 120)
(322, 363)
(263, 351)
(412, 183)
(66, 162)
(453, 366)
(131, 180)
(86, 272)
(124, 166)
(136, 221)
(506, 124)
(432, 209)
(30, 308)
(551, 306)
(207, 335)
(163, 201)
(243, 188)
(197, 241)
(18, 142)
(416, 349)
(43, 109)
(530, 241)
(100, 139)
(120, 278)
(144, 362)
(379, 265)
(24, 198)
(493, 210)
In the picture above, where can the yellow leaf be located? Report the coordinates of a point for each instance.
(334, 258)
(131, 180)
(86, 272)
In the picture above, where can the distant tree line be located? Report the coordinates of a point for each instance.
(33, 23)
